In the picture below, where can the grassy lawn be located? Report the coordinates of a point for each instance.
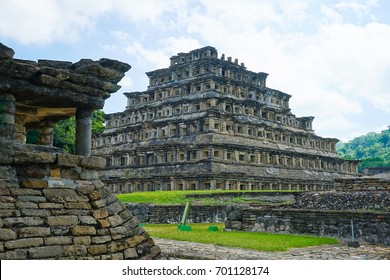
(248, 240)
(178, 197)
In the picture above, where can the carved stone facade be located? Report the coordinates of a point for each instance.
(209, 123)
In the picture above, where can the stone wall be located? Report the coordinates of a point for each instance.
(54, 207)
(171, 214)
(370, 183)
(322, 213)
(359, 200)
(372, 227)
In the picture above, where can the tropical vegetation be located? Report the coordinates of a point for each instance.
(373, 149)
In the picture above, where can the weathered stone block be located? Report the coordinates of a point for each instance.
(93, 162)
(64, 195)
(36, 172)
(7, 234)
(34, 232)
(126, 215)
(130, 253)
(99, 203)
(4, 191)
(7, 199)
(116, 246)
(57, 240)
(62, 220)
(33, 157)
(85, 187)
(115, 220)
(4, 205)
(88, 220)
(62, 183)
(55, 172)
(135, 240)
(23, 221)
(89, 175)
(26, 204)
(103, 223)
(23, 243)
(115, 208)
(35, 184)
(77, 205)
(17, 254)
(25, 192)
(97, 249)
(35, 212)
(9, 213)
(154, 251)
(101, 239)
(118, 256)
(50, 205)
(96, 195)
(32, 198)
(98, 184)
(110, 198)
(83, 230)
(131, 224)
(70, 173)
(118, 230)
(67, 160)
(82, 240)
(102, 231)
(46, 252)
(6, 52)
(75, 250)
(100, 214)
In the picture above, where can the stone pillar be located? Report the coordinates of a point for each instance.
(20, 129)
(83, 131)
(46, 133)
(7, 116)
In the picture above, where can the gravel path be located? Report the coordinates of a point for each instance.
(171, 249)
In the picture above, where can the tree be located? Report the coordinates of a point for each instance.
(65, 132)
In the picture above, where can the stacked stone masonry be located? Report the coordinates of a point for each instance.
(59, 209)
(324, 214)
(52, 204)
(209, 123)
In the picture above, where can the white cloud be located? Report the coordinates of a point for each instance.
(44, 21)
(331, 56)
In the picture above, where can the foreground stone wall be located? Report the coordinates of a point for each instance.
(368, 226)
(54, 207)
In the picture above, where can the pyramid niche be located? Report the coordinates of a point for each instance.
(206, 122)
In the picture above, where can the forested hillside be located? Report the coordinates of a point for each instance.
(373, 149)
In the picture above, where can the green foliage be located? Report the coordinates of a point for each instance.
(373, 149)
(32, 136)
(98, 121)
(249, 240)
(65, 135)
(65, 132)
(180, 197)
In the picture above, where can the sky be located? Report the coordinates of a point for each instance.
(332, 56)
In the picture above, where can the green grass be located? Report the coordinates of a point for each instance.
(177, 197)
(249, 240)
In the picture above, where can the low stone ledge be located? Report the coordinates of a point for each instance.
(67, 160)
(93, 162)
